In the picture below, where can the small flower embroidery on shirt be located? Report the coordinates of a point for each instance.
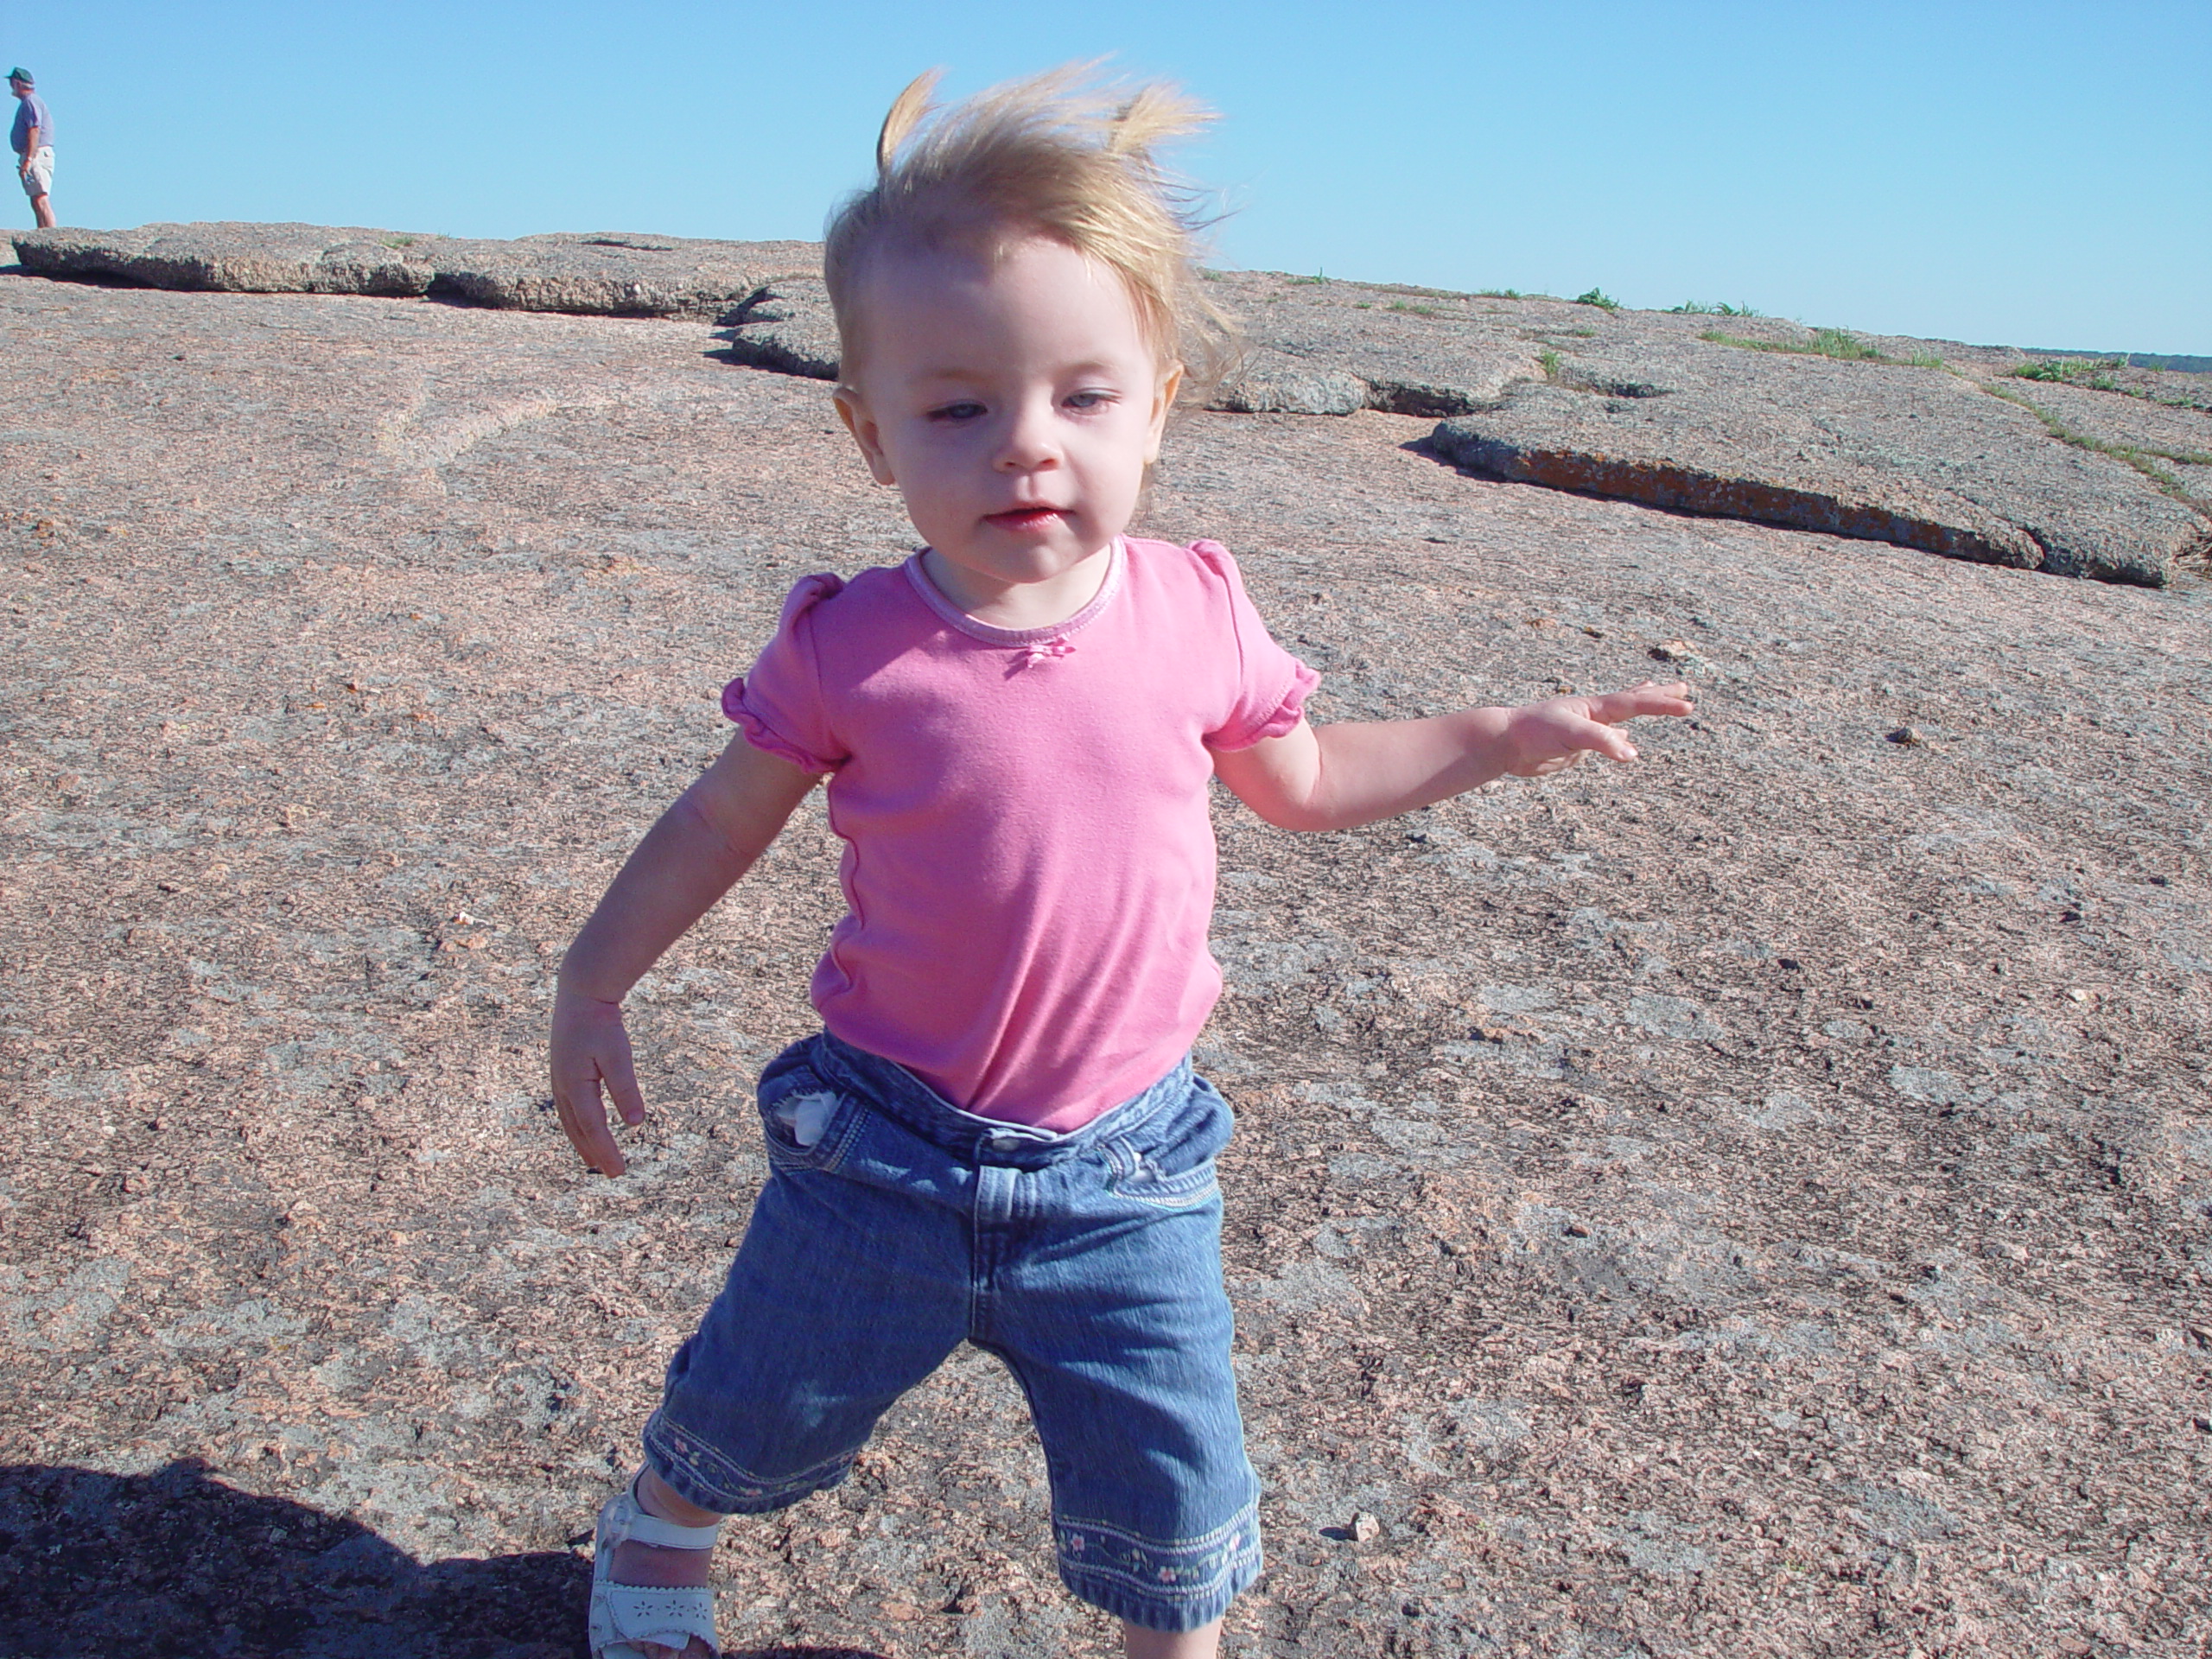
(1058, 645)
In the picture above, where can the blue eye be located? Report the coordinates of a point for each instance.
(956, 412)
(1090, 400)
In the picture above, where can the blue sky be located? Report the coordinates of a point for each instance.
(2027, 173)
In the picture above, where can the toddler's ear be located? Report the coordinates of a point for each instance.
(863, 426)
(1163, 400)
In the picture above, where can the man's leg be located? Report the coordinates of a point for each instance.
(43, 210)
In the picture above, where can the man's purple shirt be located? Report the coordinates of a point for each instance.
(29, 113)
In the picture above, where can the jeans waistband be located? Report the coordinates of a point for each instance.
(900, 1096)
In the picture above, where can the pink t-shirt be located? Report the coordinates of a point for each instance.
(1029, 861)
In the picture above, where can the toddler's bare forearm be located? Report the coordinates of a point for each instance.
(1337, 777)
(688, 861)
(672, 877)
(1366, 770)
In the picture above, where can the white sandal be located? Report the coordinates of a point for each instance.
(623, 1615)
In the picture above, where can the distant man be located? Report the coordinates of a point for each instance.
(33, 137)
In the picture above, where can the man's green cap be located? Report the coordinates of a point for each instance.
(23, 75)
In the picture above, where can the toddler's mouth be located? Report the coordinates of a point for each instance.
(1026, 518)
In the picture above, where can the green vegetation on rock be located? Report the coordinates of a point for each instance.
(2143, 457)
(2095, 373)
(1826, 342)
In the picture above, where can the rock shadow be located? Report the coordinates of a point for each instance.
(177, 1564)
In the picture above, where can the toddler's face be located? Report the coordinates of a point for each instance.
(1014, 401)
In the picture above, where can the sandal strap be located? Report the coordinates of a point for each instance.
(624, 1614)
(644, 1529)
(630, 1519)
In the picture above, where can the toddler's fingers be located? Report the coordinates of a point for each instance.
(1639, 701)
(1600, 738)
(622, 1084)
(584, 1120)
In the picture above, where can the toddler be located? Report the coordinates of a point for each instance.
(997, 1137)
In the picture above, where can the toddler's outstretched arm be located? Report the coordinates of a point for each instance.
(1335, 777)
(690, 859)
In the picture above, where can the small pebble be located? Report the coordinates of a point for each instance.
(1365, 1528)
(1909, 737)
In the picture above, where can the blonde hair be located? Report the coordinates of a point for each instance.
(1052, 155)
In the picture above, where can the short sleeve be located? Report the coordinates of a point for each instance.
(1272, 685)
(779, 705)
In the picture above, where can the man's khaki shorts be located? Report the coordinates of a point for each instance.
(38, 181)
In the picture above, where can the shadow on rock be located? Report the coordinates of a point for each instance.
(176, 1563)
(179, 1565)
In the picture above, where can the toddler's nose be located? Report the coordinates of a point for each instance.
(1030, 442)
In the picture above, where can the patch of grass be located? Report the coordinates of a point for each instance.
(1411, 291)
(1413, 310)
(1826, 342)
(1743, 343)
(1699, 308)
(399, 241)
(2143, 457)
(1835, 342)
(2094, 372)
(1502, 294)
(1362, 305)
(1319, 279)
(1599, 297)
(1548, 361)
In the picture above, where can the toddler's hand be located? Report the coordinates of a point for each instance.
(1542, 738)
(590, 1046)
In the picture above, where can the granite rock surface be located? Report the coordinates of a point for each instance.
(1875, 437)
(1757, 1201)
(1915, 455)
(1925, 444)
(787, 327)
(603, 273)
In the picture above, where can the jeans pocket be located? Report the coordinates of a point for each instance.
(1169, 1161)
(806, 1122)
(1174, 1162)
(1142, 1178)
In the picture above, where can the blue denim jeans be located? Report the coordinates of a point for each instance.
(894, 1226)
